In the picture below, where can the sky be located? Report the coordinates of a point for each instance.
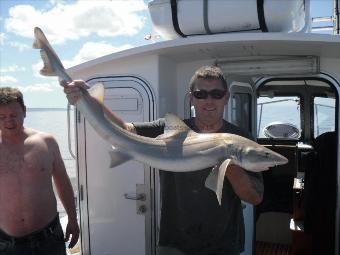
(78, 30)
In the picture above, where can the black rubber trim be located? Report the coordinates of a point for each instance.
(205, 17)
(260, 14)
(175, 18)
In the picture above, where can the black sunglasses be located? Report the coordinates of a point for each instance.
(203, 94)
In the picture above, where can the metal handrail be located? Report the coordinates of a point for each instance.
(69, 131)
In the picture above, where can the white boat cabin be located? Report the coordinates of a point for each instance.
(285, 90)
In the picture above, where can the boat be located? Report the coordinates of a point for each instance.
(285, 74)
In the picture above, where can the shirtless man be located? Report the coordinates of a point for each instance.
(29, 222)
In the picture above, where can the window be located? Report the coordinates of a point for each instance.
(240, 110)
(280, 111)
(324, 115)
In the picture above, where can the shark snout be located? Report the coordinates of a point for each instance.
(278, 159)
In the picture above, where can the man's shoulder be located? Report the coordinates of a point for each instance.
(34, 133)
(37, 136)
(233, 129)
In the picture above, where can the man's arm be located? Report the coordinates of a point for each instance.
(65, 192)
(248, 187)
(73, 93)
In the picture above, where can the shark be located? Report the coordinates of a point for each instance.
(178, 149)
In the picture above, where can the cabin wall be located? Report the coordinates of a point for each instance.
(167, 85)
(184, 73)
(331, 67)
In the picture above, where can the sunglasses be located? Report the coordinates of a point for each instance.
(203, 94)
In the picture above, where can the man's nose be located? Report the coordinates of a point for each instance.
(209, 100)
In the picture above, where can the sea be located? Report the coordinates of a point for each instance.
(54, 121)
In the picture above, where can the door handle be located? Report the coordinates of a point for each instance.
(135, 196)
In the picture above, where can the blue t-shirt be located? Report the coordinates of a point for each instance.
(191, 218)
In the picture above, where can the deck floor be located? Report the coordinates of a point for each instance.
(264, 248)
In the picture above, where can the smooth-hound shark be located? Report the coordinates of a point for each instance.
(179, 149)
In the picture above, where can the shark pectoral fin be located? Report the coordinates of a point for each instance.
(215, 179)
(117, 157)
(97, 91)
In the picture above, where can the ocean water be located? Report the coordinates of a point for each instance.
(54, 121)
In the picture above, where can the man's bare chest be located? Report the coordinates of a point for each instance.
(24, 161)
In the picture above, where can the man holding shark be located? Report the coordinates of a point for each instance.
(193, 222)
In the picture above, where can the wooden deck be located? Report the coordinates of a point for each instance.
(264, 248)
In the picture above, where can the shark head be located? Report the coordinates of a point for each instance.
(251, 155)
(258, 158)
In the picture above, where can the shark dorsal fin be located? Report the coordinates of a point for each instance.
(97, 92)
(175, 127)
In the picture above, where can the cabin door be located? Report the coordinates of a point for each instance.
(239, 112)
(115, 203)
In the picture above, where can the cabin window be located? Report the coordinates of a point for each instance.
(281, 113)
(324, 115)
(240, 110)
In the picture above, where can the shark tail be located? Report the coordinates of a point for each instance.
(47, 70)
(46, 52)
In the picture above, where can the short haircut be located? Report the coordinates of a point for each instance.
(208, 73)
(9, 95)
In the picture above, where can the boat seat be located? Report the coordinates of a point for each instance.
(320, 193)
(274, 227)
(278, 183)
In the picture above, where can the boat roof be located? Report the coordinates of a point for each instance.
(222, 46)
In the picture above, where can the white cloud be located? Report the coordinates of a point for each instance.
(7, 79)
(40, 87)
(92, 50)
(2, 38)
(12, 68)
(20, 46)
(72, 21)
(89, 51)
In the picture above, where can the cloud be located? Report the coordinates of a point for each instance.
(2, 38)
(92, 50)
(40, 87)
(71, 21)
(89, 51)
(7, 79)
(12, 68)
(20, 46)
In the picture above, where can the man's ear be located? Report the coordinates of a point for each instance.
(190, 97)
(227, 97)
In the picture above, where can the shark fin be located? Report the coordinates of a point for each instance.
(97, 92)
(215, 179)
(117, 157)
(175, 127)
